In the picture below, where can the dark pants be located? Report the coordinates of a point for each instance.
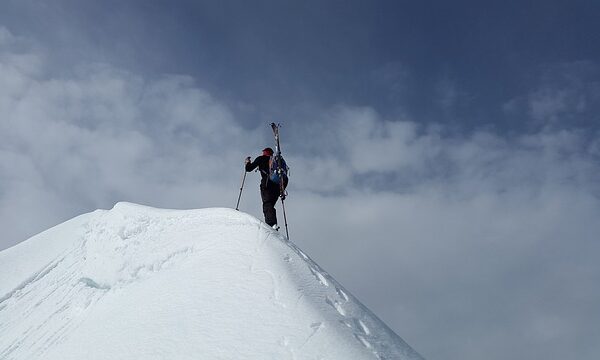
(269, 195)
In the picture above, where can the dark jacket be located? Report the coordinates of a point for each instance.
(262, 163)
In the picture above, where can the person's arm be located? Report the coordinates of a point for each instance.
(251, 165)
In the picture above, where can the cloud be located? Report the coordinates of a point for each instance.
(86, 141)
(470, 246)
(566, 94)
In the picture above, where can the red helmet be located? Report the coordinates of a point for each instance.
(268, 151)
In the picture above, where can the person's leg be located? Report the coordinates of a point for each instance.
(270, 213)
(269, 199)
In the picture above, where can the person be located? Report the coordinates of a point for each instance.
(269, 190)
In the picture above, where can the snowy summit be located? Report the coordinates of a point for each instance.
(135, 282)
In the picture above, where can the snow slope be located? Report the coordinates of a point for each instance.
(141, 283)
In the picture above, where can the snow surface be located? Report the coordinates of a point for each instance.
(141, 283)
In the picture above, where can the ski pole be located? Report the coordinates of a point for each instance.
(282, 196)
(287, 233)
(237, 206)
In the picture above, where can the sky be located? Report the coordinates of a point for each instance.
(450, 149)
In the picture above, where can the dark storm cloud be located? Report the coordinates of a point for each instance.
(444, 155)
(272, 56)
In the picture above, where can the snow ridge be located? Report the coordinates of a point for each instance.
(137, 282)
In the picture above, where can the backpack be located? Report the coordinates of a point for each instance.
(275, 175)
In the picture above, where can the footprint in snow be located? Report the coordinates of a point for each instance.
(357, 325)
(303, 255)
(316, 325)
(92, 284)
(363, 327)
(319, 277)
(341, 294)
(336, 305)
(363, 341)
(347, 323)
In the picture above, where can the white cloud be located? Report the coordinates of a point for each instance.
(566, 94)
(104, 134)
(549, 104)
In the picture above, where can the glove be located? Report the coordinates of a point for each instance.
(248, 160)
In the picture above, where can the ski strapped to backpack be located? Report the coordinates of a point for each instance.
(278, 173)
(278, 169)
